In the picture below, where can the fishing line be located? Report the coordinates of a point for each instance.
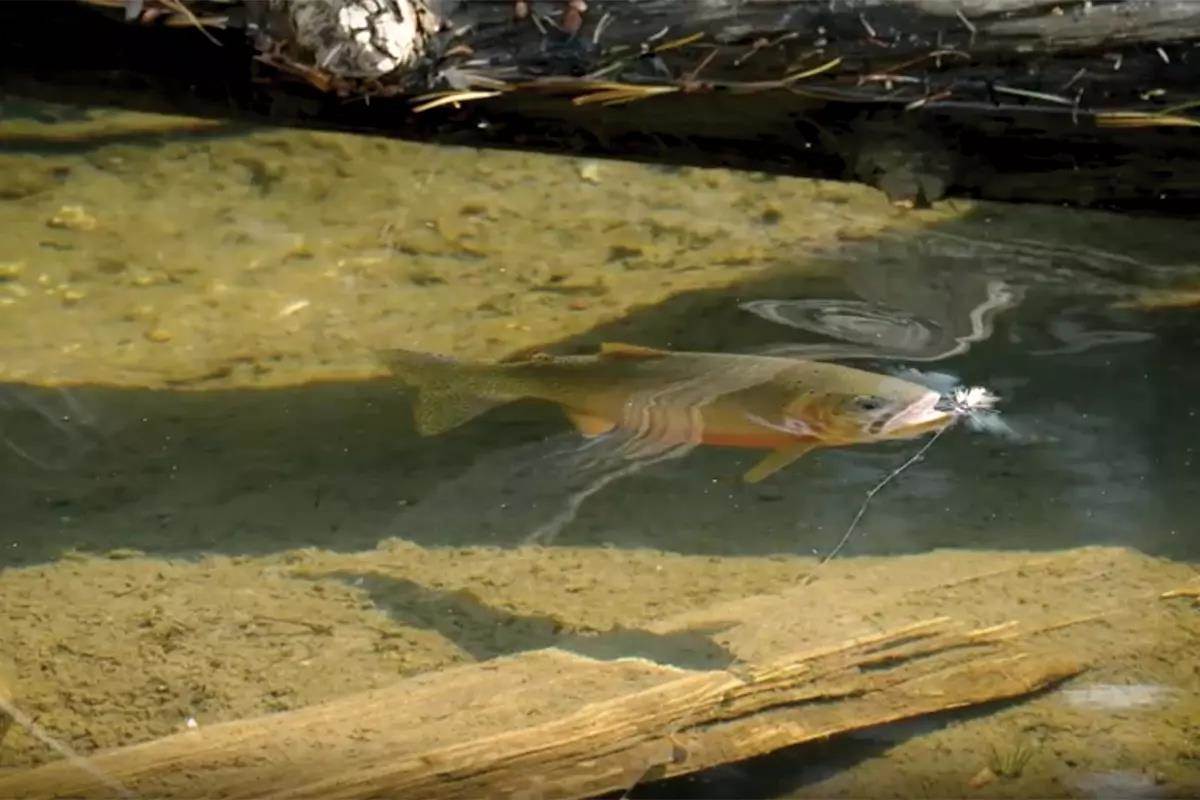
(871, 494)
(79, 762)
(975, 404)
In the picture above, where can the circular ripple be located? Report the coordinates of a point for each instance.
(853, 321)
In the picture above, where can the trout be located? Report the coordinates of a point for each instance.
(783, 405)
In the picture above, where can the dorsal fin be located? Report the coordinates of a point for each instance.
(620, 350)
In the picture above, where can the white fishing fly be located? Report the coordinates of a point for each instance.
(977, 406)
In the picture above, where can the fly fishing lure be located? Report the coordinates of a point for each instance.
(977, 406)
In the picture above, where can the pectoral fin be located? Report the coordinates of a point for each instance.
(589, 425)
(777, 460)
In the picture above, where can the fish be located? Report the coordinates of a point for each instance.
(785, 406)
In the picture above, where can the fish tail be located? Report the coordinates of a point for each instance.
(446, 392)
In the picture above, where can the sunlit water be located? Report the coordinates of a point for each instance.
(1100, 396)
(1101, 401)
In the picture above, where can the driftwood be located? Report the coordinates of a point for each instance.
(549, 724)
(862, 645)
(1086, 102)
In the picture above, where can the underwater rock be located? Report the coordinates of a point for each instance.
(71, 297)
(17, 183)
(73, 218)
(982, 778)
(159, 335)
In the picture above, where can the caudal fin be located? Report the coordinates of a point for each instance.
(445, 394)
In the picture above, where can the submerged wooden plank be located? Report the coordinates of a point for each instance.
(813, 663)
(555, 725)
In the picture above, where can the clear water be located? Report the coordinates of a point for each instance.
(215, 504)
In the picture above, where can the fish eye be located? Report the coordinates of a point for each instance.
(868, 402)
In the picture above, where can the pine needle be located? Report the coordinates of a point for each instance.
(622, 93)
(438, 99)
(1144, 119)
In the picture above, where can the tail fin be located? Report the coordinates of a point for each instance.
(445, 394)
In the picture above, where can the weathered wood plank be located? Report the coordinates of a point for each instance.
(861, 645)
(553, 725)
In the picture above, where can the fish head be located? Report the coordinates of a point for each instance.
(887, 408)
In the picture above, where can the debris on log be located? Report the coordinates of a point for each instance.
(1081, 102)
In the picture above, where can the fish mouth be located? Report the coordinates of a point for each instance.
(922, 414)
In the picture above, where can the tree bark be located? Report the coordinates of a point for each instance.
(1078, 102)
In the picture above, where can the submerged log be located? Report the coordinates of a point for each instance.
(1080, 102)
(550, 724)
(864, 643)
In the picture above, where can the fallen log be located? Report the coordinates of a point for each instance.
(1090, 103)
(868, 641)
(549, 724)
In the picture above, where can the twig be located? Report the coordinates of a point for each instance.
(654, 37)
(319, 628)
(600, 26)
(933, 98)
(1143, 119)
(784, 82)
(617, 93)
(867, 25)
(179, 7)
(681, 42)
(966, 23)
(1175, 109)
(1049, 98)
(1078, 74)
(704, 62)
(936, 54)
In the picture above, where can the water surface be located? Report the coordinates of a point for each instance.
(191, 395)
